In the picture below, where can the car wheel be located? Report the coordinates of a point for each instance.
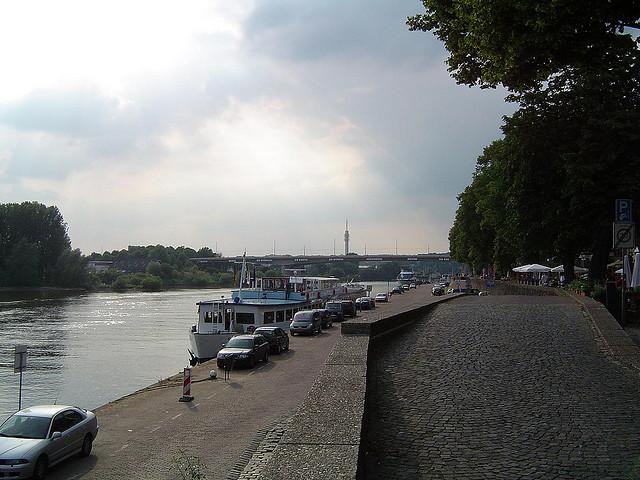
(40, 470)
(286, 348)
(252, 362)
(87, 445)
(266, 356)
(279, 349)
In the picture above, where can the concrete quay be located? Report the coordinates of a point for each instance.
(253, 425)
(504, 387)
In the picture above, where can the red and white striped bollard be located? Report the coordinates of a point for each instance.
(186, 386)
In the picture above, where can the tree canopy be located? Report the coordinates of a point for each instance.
(546, 189)
(520, 44)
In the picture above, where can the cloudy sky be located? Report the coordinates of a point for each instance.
(238, 123)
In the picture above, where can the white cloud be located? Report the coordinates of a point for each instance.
(236, 122)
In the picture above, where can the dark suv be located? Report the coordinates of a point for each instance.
(244, 350)
(325, 318)
(307, 322)
(335, 310)
(349, 308)
(277, 338)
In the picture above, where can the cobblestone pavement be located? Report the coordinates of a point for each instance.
(501, 387)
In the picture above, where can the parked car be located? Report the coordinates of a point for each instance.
(437, 290)
(306, 322)
(365, 303)
(335, 310)
(278, 339)
(413, 285)
(405, 287)
(382, 297)
(396, 290)
(243, 350)
(36, 438)
(349, 308)
(325, 318)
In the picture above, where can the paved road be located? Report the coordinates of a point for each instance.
(141, 435)
(501, 387)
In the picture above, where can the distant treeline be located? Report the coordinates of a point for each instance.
(35, 251)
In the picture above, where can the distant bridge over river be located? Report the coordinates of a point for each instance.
(301, 260)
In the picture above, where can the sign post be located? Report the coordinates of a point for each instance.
(19, 364)
(624, 236)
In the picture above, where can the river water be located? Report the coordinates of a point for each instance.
(87, 350)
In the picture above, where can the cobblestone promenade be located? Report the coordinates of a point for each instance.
(501, 387)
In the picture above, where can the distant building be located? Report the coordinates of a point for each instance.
(131, 265)
(99, 265)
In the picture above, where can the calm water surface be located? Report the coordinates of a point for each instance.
(87, 350)
(90, 349)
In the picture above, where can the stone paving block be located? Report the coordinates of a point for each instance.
(350, 350)
(312, 462)
(624, 350)
(617, 338)
(333, 410)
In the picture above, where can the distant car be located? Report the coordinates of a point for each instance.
(382, 297)
(349, 308)
(396, 290)
(326, 321)
(365, 303)
(243, 350)
(437, 290)
(335, 310)
(306, 322)
(278, 339)
(413, 285)
(36, 438)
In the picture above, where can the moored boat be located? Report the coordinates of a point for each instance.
(273, 302)
(406, 277)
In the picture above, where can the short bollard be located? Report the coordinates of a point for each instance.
(186, 386)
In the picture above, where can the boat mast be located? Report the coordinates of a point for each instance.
(243, 273)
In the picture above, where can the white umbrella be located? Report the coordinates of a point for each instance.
(520, 268)
(535, 268)
(627, 271)
(635, 276)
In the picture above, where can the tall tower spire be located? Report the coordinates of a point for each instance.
(346, 237)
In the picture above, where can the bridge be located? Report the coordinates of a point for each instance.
(300, 260)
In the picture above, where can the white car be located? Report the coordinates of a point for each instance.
(36, 438)
(382, 297)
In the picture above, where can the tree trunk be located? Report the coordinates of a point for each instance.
(600, 258)
(568, 263)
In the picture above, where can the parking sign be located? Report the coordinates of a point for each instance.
(623, 210)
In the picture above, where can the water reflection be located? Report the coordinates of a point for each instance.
(90, 349)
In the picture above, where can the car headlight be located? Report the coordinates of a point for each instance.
(18, 461)
(243, 355)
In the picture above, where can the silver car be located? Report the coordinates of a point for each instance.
(36, 438)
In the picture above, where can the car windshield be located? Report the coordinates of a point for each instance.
(304, 317)
(22, 426)
(239, 343)
(333, 306)
(266, 333)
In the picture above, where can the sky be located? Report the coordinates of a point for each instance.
(245, 125)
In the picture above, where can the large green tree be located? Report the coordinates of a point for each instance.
(35, 224)
(519, 44)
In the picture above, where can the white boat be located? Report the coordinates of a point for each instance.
(406, 277)
(274, 302)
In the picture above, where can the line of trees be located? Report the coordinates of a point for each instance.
(546, 189)
(35, 249)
